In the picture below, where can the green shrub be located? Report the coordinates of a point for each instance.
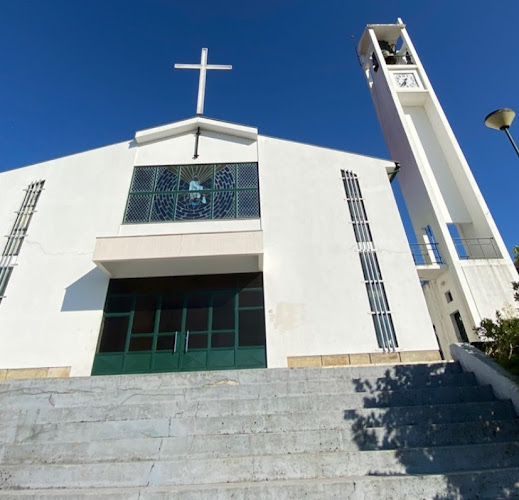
(501, 336)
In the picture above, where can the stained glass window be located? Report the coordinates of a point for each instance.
(193, 192)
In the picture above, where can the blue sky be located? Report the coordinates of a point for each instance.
(79, 75)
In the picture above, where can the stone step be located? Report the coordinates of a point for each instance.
(437, 414)
(262, 468)
(33, 399)
(180, 408)
(359, 432)
(252, 444)
(174, 383)
(63, 395)
(490, 484)
(17, 431)
(420, 374)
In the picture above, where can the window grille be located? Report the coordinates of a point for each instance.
(377, 297)
(18, 233)
(5, 274)
(193, 192)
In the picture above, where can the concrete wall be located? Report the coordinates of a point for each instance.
(440, 311)
(479, 273)
(487, 372)
(315, 296)
(439, 189)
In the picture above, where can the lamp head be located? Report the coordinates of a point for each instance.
(500, 119)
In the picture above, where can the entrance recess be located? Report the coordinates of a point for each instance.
(183, 323)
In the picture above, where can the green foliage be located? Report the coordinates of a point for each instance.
(501, 335)
(503, 332)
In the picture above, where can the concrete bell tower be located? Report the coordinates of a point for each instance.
(461, 259)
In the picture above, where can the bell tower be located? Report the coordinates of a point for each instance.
(461, 259)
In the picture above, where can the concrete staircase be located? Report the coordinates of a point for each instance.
(374, 432)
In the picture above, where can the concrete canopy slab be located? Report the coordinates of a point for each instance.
(179, 254)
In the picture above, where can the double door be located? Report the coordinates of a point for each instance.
(196, 332)
(182, 331)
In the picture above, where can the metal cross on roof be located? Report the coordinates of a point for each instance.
(203, 67)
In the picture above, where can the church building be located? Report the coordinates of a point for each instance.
(204, 245)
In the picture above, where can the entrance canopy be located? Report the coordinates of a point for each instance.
(180, 254)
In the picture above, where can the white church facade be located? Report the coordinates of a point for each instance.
(203, 245)
(268, 252)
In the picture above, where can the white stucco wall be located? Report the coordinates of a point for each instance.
(315, 296)
(220, 148)
(55, 296)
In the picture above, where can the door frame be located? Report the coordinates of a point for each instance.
(210, 357)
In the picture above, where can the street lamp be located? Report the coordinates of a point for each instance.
(501, 119)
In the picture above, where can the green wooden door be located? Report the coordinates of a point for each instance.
(169, 322)
(189, 330)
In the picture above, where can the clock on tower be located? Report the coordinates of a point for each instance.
(405, 80)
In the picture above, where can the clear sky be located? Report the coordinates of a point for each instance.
(79, 75)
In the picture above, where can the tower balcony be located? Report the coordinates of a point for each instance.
(427, 259)
(476, 248)
(429, 262)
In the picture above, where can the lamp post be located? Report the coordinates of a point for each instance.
(501, 119)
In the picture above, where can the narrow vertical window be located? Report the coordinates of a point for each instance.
(18, 233)
(377, 297)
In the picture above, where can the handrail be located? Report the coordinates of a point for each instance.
(426, 254)
(476, 248)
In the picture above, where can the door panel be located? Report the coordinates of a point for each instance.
(171, 311)
(253, 357)
(108, 364)
(149, 326)
(197, 313)
(137, 362)
(168, 342)
(194, 354)
(194, 360)
(222, 339)
(251, 327)
(166, 362)
(114, 333)
(144, 314)
(140, 343)
(224, 308)
(221, 359)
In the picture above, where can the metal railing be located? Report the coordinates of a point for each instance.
(426, 254)
(476, 248)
